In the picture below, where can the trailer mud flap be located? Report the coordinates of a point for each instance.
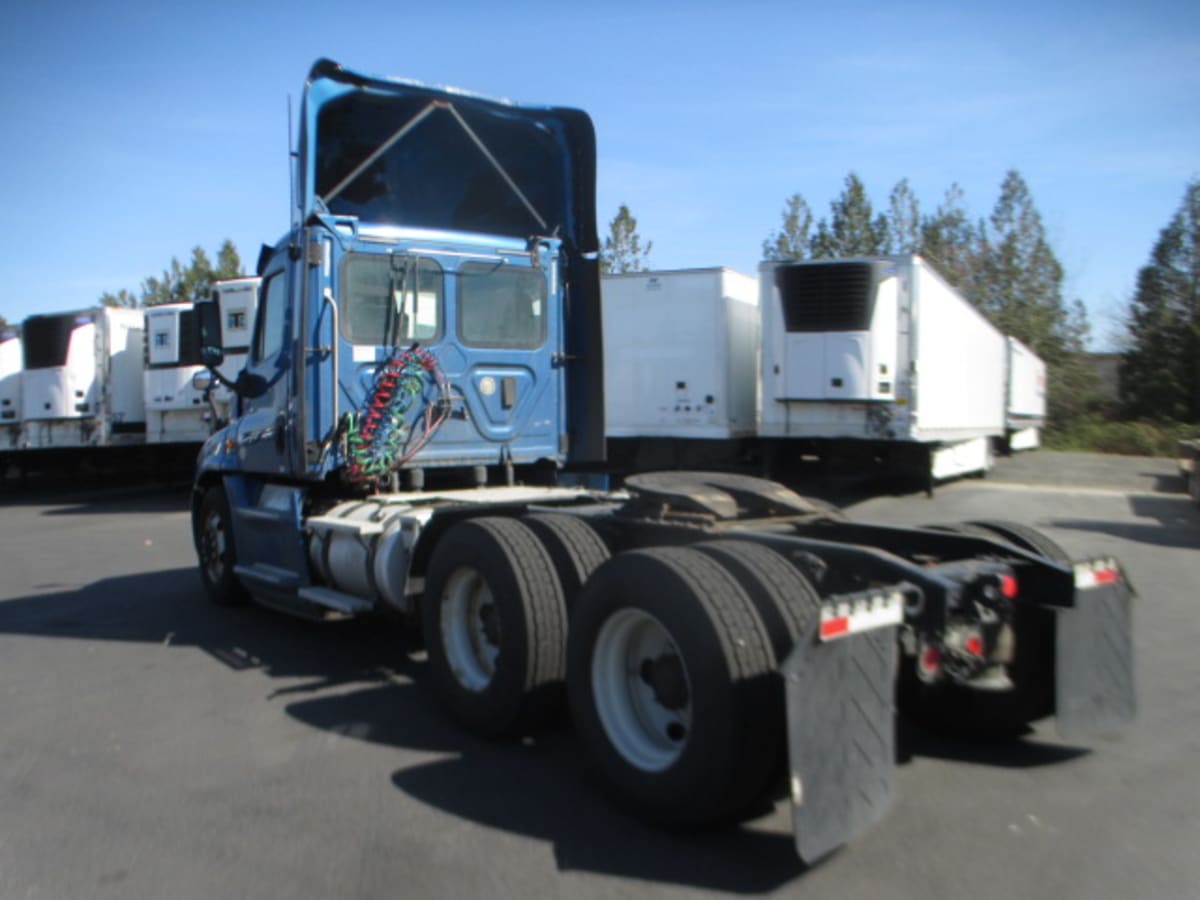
(841, 736)
(1094, 654)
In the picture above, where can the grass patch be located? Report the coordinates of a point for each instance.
(1093, 435)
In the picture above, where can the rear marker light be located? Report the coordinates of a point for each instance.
(931, 658)
(1008, 586)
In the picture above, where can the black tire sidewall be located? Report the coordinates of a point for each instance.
(227, 591)
(497, 708)
(632, 581)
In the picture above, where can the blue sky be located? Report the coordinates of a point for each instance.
(133, 132)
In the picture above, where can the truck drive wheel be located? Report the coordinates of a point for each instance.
(574, 547)
(495, 626)
(1022, 536)
(216, 552)
(670, 678)
(785, 601)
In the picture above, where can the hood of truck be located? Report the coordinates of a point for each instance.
(390, 151)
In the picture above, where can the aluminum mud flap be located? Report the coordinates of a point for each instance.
(1094, 654)
(841, 732)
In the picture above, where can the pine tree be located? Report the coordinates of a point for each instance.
(122, 298)
(179, 283)
(853, 229)
(950, 242)
(623, 246)
(903, 220)
(792, 240)
(1018, 285)
(1160, 372)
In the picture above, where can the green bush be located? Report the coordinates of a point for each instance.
(1094, 435)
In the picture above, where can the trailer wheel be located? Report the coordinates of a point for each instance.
(495, 626)
(216, 551)
(671, 683)
(574, 547)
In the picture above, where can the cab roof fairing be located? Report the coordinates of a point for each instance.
(565, 138)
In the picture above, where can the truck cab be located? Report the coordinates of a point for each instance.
(436, 231)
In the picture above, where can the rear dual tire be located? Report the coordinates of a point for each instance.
(498, 593)
(495, 623)
(674, 685)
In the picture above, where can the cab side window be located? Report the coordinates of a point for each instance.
(272, 318)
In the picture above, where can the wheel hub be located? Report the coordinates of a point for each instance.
(665, 676)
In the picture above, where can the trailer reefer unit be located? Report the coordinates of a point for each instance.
(680, 357)
(10, 390)
(176, 409)
(879, 356)
(1025, 397)
(82, 379)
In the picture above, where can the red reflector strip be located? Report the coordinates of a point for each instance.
(1096, 573)
(855, 613)
(831, 628)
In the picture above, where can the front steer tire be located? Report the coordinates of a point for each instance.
(216, 551)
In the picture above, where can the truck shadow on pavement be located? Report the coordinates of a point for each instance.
(1174, 522)
(539, 787)
(363, 679)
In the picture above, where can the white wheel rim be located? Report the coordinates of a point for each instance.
(468, 615)
(647, 732)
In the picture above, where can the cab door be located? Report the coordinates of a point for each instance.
(509, 332)
(265, 427)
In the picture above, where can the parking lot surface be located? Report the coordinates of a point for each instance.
(153, 746)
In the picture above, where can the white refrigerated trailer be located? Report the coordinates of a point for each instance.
(1025, 397)
(81, 384)
(879, 357)
(10, 390)
(680, 353)
(178, 407)
(237, 300)
(176, 410)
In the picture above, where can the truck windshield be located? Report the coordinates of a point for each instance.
(501, 305)
(466, 168)
(391, 300)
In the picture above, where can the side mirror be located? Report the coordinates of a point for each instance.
(250, 385)
(212, 353)
(202, 381)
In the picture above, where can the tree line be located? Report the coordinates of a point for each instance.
(1160, 367)
(181, 283)
(1003, 264)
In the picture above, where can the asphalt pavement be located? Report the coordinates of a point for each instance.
(153, 746)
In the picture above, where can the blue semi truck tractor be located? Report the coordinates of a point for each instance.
(424, 390)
